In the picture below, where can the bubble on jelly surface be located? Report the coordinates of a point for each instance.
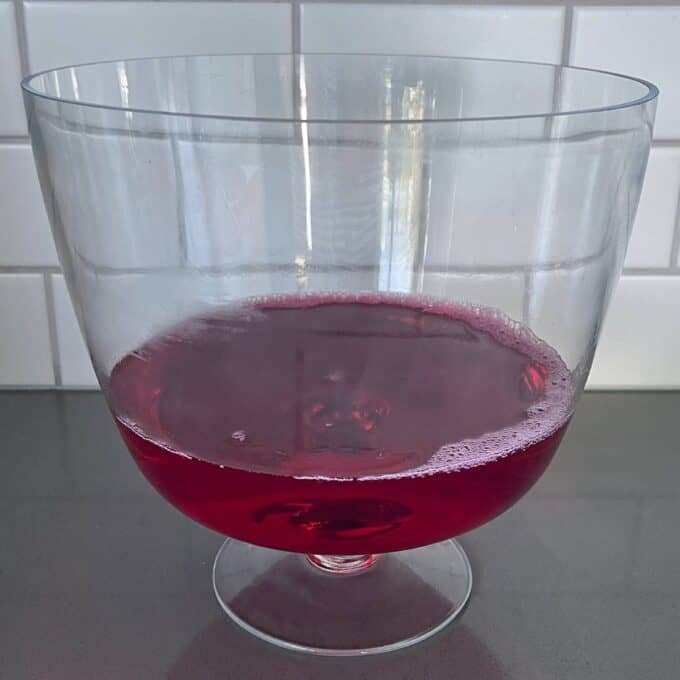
(239, 436)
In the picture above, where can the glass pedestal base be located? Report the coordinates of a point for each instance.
(342, 606)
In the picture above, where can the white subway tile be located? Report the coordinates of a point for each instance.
(639, 344)
(74, 361)
(650, 242)
(639, 41)
(533, 33)
(24, 228)
(119, 226)
(518, 205)
(224, 204)
(563, 309)
(12, 119)
(25, 356)
(500, 291)
(61, 33)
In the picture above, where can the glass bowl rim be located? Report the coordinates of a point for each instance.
(652, 91)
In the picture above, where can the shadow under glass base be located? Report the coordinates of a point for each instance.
(342, 606)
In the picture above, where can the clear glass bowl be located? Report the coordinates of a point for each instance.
(341, 306)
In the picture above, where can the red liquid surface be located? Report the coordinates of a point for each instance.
(342, 425)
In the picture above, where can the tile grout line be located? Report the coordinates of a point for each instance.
(22, 36)
(526, 297)
(295, 46)
(549, 122)
(42, 387)
(226, 2)
(296, 27)
(665, 143)
(28, 269)
(180, 207)
(25, 139)
(567, 34)
(567, 20)
(52, 328)
(651, 271)
(675, 243)
(523, 3)
(47, 269)
(12, 140)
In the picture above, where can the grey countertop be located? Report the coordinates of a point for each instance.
(100, 578)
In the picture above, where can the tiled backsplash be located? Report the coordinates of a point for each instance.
(40, 344)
